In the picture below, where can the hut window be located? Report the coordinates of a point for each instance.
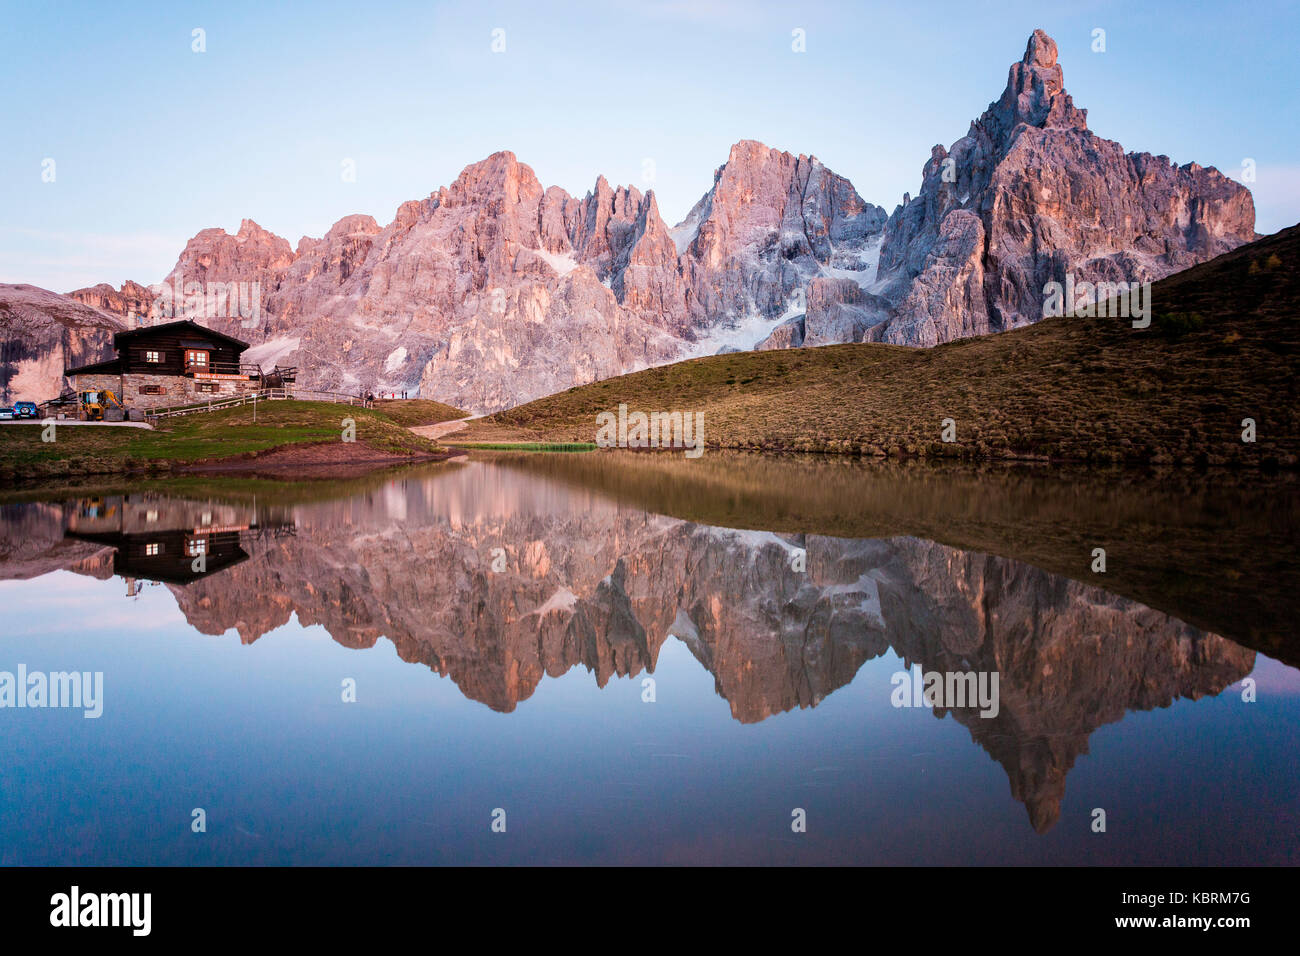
(152, 390)
(196, 357)
(153, 355)
(153, 549)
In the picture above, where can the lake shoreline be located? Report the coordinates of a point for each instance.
(344, 441)
(312, 460)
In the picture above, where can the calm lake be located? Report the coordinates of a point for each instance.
(619, 658)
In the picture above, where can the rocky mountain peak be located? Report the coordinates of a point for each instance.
(750, 165)
(1035, 93)
(500, 178)
(42, 333)
(605, 225)
(132, 299)
(215, 249)
(248, 229)
(772, 223)
(651, 207)
(1040, 50)
(1030, 194)
(357, 224)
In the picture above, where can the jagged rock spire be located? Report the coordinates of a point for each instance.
(1035, 92)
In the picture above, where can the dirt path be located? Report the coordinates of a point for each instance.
(442, 428)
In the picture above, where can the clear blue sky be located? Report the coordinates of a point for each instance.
(153, 142)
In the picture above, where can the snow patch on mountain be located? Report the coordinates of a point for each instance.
(563, 600)
(740, 334)
(862, 265)
(269, 353)
(563, 264)
(395, 358)
(684, 233)
(866, 590)
(683, 628)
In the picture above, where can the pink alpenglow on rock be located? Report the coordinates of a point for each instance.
(496, 290)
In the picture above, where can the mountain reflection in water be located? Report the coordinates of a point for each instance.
(497, 577)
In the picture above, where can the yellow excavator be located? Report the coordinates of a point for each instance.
(94, 403)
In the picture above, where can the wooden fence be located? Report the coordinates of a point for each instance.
(265, 395)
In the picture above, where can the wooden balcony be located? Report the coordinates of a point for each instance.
(243, 370)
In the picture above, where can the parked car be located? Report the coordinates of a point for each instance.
(25, 410)
(6, 411)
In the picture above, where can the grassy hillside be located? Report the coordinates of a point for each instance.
(1221, 347)
(224, 434)
(417, 411)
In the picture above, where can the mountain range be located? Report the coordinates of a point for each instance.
(496, 289)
